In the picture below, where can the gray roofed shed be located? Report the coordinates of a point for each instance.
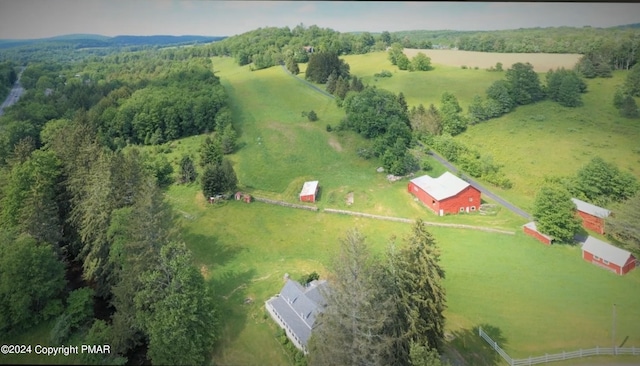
(606, 251)
(593, 210)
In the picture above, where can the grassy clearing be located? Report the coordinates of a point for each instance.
(547, 139)
(535, 298)
(422, 87)
(39, 335)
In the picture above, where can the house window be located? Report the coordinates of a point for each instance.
(605, 261)
(596, 257)
(461, 209)
(473, 208)
(433, 202)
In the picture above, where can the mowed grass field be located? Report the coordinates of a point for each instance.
(536, 299)
(533, 298)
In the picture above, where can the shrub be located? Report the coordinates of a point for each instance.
(329, 129)
(383, 74)
(312, 116)
(463, 67)
(426, 165)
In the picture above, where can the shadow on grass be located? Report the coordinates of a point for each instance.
(230, 292)
(466, 347)
(209, 250)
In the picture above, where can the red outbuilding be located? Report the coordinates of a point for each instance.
(446, 194)
(607, 256)
(532, 230)
(309, 191)
(592, 216)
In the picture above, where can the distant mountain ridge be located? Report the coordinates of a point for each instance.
(96, 40)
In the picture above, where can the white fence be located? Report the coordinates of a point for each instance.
(611, 351)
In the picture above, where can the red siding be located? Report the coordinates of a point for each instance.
(308, 198)
(468, 199)
(536, 235)
(631, 262)
(591, 222)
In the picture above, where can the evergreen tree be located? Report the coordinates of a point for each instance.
(632, 82)
(332, 82)
(210, 152)
(422, 295)
(187, 170)
(629, 108)
(228, 139)
(352, 328)
(218, 179)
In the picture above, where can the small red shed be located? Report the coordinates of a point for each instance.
(592, 216)
(446, 194)
(309, 191)
(532, 230)
(607, 256)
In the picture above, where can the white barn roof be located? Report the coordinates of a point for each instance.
(532, 225)
(606, 251)
(593, 210)
(309, 188)
(445, 186)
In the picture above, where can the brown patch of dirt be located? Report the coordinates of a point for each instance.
(541, 62)
(335, 144)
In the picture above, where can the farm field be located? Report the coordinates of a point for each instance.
(541, 62)
(537, 299)
(534, 140)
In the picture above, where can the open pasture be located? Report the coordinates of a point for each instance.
(546, 139)
(541, 62)
(538, 299)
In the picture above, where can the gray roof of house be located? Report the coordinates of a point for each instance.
(309, 188)
(298, 306)
(445, 186)
(532, 225)
(606, 251)
(591, 209)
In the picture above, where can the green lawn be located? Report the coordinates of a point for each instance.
(537, 299)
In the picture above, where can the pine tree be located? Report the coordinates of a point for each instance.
(210, 152)
(187, 170)
(352, 328)
(332, 83)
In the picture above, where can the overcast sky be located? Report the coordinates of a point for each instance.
(45, 18)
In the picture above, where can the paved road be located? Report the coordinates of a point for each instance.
(481, 188)
(444, 162)
(15, 94)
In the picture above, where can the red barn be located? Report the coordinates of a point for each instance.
(309, 191)
(592, 216)
(532, 230)
(607, 256)
(446, 194)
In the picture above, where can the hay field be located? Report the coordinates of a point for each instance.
(541, 62)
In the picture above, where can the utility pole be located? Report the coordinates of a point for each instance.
(613, 330)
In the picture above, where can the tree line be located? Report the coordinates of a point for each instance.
(76, 196)
(140, 98)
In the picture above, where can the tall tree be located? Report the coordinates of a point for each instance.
(187, 169)
(632, 82)
(555, 213)
(176, 309)
(31, 282)
(420, 62)
(601, 183)
(210, 152)
(322, 64)
(351, 329)
(524, 84)
(623, 225)
(453, 122)
(419, 282)
(218, 179)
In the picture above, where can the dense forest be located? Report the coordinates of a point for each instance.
(83, 207)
